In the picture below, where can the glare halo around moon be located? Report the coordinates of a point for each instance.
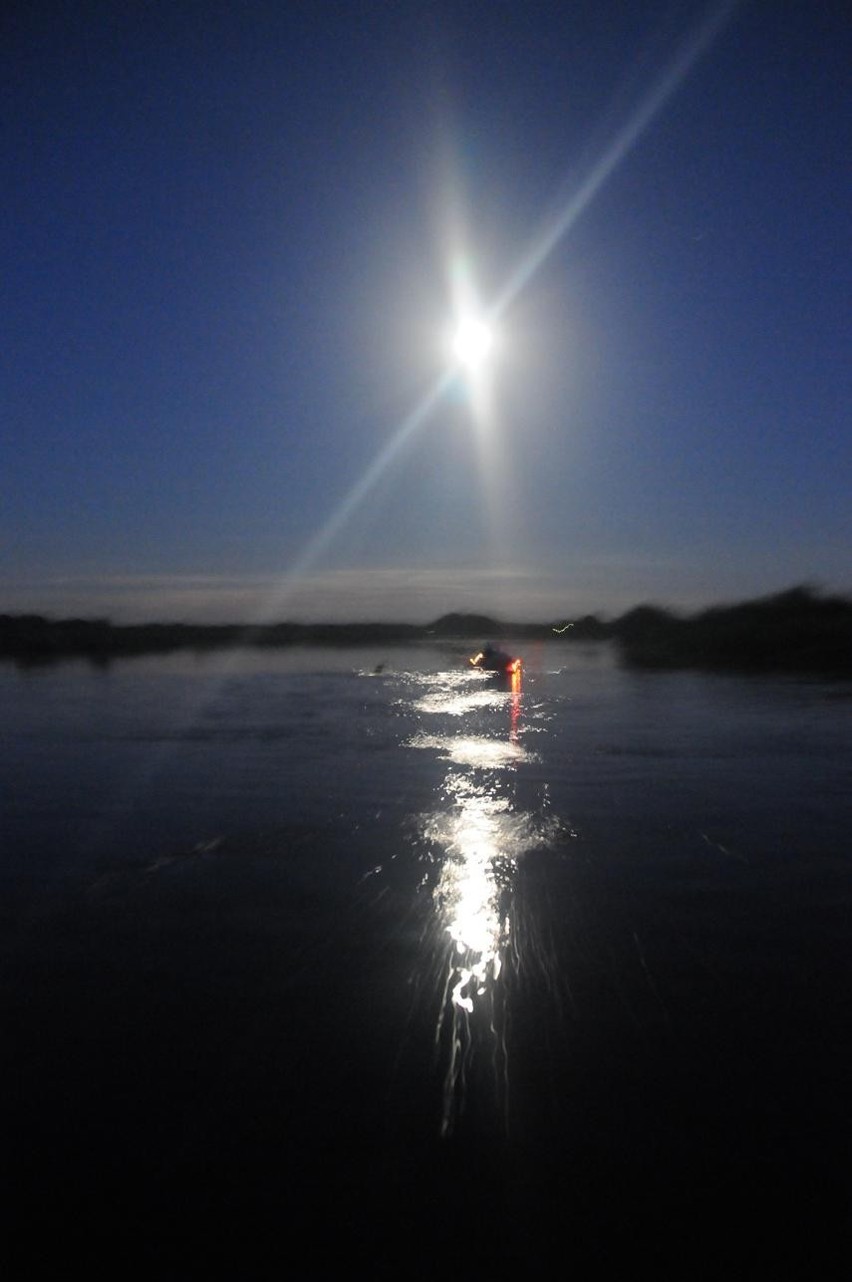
(472, 342)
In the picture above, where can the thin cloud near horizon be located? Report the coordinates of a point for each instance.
(414, 595)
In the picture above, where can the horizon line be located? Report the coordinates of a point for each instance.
(804, 589)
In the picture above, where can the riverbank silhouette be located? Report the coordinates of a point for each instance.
(797, 631)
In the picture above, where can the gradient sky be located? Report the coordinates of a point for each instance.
(232, 235)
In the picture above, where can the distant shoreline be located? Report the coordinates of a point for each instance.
(797, 631)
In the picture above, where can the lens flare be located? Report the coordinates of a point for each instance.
(473, 342)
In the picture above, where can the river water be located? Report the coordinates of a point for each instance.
(309, 952)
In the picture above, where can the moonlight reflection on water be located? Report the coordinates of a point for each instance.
(519, 967)
(476, 834)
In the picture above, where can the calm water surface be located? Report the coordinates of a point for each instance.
(368, 951)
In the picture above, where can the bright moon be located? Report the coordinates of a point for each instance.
(472, 342)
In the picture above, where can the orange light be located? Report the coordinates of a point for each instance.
(515, 710)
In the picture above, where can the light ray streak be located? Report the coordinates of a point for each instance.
(360, 490)
(691, 49)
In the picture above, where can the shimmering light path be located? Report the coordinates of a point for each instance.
(475, 834)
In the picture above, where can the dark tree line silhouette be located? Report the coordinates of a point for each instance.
(799, 631)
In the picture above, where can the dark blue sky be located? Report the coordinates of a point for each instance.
(229, 233)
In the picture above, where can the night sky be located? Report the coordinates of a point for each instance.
(234, 240)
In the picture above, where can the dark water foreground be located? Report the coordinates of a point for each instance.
(412, 974)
